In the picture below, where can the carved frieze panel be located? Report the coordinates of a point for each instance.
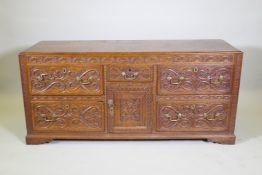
(133, 58)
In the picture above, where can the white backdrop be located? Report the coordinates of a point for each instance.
(25, 22)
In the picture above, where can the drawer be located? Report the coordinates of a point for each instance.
(135, 73)
(68, 115)
(65, 80)
(175, 115)
(195, 79)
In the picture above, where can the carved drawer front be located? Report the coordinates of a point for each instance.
(130, 73)
(65, 80)
(194, 79)
(192, 116)
(68, 116)
(129, 109)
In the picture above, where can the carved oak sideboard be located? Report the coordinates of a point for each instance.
(174, 89)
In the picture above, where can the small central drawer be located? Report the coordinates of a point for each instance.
(137, 73)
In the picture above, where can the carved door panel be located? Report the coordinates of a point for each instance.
(129, 108)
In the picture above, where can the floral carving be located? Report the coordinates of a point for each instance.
(68, 116)
(193, 116)
(64, 80)
(195, 79)
(130, 109)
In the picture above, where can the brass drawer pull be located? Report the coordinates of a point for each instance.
(220, 79)
(85, 82)
(173, 119)
(41, 77)
(53, 118)
(173, 82)
(130, 75)
(216, 116)
(110, 103)
(195, 69)
(50, 76)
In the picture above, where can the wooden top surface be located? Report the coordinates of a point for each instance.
(101, 46)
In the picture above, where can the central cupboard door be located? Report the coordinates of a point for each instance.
(129, 108)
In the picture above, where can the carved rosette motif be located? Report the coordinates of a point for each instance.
(133, 107)
(193, 116)
(117, 73)
(68, 116)
(196, 78)
(130, 109)
(64, 80)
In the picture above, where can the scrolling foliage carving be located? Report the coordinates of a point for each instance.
(68, 116)
(193, 116)
(195, 79)
(65, 80)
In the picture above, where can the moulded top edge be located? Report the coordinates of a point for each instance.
(130, 46)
